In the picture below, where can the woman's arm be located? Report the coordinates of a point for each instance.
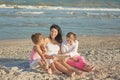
(64, 48)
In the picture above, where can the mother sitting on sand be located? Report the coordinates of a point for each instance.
(52, 44)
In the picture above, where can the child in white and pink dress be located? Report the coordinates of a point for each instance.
(37, 55)
(70, 47)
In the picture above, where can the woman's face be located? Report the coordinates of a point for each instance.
(53, 33)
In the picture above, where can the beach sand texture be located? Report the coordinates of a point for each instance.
(102, 51)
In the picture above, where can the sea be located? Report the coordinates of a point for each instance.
(19, 19)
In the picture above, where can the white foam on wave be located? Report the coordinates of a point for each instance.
(57, 8)
(69, 12)
(113, 15)
(96, 13)
(30, 12)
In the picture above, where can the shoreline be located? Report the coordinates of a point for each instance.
(78, 36)
(84, 40)
(102, 51)
(64, 37)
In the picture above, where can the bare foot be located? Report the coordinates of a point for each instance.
(49, 71)
(88, 68)
(72, 74)
(91, 69)
(79, 73)
(57, 72)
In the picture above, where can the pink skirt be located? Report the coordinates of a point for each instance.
(77, 64)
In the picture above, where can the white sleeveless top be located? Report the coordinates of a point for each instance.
(52, 49)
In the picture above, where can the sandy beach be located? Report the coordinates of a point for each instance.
(102, 51)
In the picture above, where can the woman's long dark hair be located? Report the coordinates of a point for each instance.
(58, 38)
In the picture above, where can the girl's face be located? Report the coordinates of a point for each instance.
(53, 33)
(41, 40)
(69, 41)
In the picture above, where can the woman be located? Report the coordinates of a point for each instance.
(53, 48)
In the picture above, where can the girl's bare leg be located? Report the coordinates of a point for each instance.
(41, 64)
(47, 68)
(63, 69)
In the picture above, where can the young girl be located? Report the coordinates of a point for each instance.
(37, 55)
(69, 47)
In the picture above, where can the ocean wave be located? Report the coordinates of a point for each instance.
(57, 8)
(30, 12)
(110, 15)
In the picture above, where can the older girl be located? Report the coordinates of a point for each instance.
(37, 55)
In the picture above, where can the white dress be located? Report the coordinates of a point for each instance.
(52, 49)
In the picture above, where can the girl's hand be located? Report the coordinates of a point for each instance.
(67, 55)
(47, 66)
(48, 57)
(74, 59)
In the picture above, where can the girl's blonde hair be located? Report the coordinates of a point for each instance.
(36, 37)
(71, 35)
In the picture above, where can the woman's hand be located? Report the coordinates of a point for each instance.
(55, 58)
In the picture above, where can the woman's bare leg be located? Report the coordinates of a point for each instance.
(52, 65)
(63, 69)
(71, 68)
